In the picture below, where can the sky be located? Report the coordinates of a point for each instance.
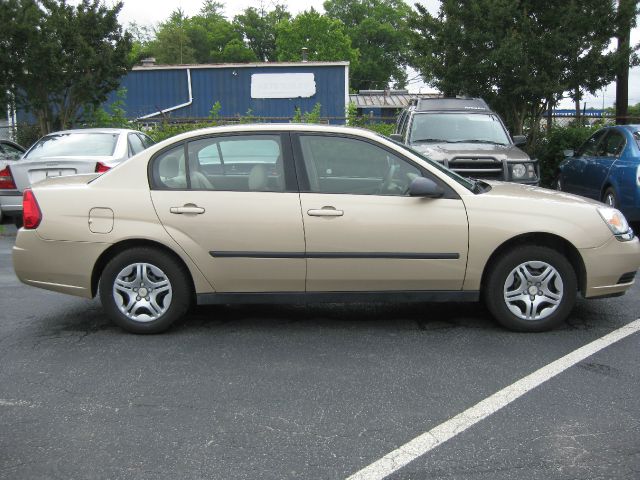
(152, 12)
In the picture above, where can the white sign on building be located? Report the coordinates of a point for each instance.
(283, 85)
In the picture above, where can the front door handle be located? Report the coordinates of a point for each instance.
(325, 212)
(188, 208)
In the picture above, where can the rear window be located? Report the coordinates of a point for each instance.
(75, 145)
(636, 135)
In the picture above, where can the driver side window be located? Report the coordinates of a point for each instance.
(346, 165)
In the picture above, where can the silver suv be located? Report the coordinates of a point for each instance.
(467, 137)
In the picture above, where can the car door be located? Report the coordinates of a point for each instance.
(598, 166)
(363, 232)
(231, 203)
(573, 172)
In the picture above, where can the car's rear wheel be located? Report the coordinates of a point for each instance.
(144, 290)
(610, 198)
(531, 289)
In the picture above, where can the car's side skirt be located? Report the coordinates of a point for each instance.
(411, 296)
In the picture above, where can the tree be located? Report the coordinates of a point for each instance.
(521, 56)
(378, 29)
(258, 28)
(324, 38)
(172, 43)
(60, 58)
(204, 38)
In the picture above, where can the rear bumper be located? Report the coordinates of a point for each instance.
(11, 203)
(64, 267)
(606, 265)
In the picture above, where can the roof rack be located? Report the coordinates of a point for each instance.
(451, 104)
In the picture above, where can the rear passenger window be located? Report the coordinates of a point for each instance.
(239, 163)
(169, 170)
(135, 144)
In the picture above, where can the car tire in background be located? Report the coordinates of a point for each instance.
(557, 183)
(145, 290)
(531, 288)
(610, 198)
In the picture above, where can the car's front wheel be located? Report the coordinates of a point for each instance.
(610, 198)
(144, 290)
(531, 288)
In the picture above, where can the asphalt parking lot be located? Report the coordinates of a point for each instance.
(314, 392)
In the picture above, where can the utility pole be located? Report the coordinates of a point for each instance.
(625, 19)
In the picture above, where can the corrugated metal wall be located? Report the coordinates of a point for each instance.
(152, 90)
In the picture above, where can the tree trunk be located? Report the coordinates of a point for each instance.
(626, 12)
(578, 111)
(549, 114)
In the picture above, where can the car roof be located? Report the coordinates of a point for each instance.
(466, 105)
(93, 130)
(276, 127)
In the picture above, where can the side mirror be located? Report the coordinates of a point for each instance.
(568, 153)
(519, 140)
(396, 136)
(425, 187)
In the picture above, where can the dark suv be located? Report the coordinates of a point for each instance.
(467, 137)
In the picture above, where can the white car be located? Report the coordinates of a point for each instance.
(69, 152)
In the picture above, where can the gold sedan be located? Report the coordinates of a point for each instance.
(307, 213)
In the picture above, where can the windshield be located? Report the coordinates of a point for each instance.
(457, 128)
(75, 145)
(465, 182)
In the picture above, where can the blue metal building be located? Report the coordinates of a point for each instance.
(272, 90)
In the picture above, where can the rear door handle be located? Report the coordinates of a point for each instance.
(189, 208)
(325, 212)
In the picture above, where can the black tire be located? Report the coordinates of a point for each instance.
(496, 287)
(557, 183)
(171, 304)
(610, 198)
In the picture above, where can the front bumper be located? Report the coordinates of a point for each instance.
(64, 267)
(607, 265)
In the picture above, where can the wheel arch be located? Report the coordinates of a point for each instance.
(123, 245)
(546, 239)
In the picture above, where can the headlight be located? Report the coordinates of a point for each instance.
(616, 222)
(518, 170)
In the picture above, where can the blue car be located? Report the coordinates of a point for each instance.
(606, 168)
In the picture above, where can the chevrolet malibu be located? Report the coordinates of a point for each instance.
(307, 213)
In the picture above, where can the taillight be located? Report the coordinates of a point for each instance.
(101, 167)
(31, 214)
(6, 180)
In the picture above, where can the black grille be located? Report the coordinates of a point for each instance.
(486, 168)
(627, 277)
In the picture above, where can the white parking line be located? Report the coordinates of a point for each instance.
(427, 441)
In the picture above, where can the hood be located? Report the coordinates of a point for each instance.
(449, 151)
(529, 192)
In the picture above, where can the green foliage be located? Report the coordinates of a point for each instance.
(27, 135)
(378, 29)
(59, 59)
(549, 147)
(207, 37)
(519, 56)
(116, 118)
(355, 120)
(324, 38)
(173, 42)
(307, 117)
(258, 27)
